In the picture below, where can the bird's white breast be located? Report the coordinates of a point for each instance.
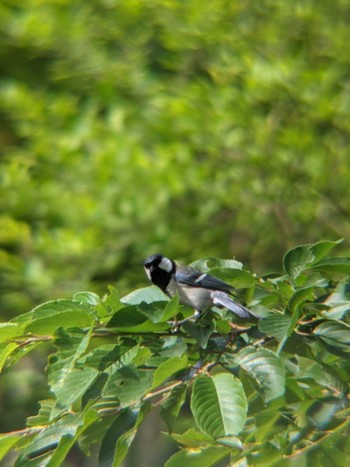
(194, 297)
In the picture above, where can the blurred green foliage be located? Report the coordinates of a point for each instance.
(193, 128)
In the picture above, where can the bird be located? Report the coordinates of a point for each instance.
(195, 289)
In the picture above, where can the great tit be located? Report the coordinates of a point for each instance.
(195, 289)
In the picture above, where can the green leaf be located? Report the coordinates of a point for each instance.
(48, 439)
(197, 458)
(219, 405)
(7, 441)
(124, 441)
(266, 368)
(74, 385)
(67, 382)
(128, 384)
(303, 257)
(168, 368)
(10, 330)
(338, 301)
(237, 277)
(334, 333)
(193, 438)
(159, 312)
(88, 298)
(147, 294)
(207, 264)
(276, 325)
(199, 331)
(5, 352)
(300, 297)
(130, 319)
(333, 265)
(171, 406)
(297, 260)
(117, 440)
(171, 308)
(45, 318)
(44, 415)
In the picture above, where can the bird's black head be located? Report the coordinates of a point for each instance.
(159, 270)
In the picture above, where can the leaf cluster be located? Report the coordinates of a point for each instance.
(266, 392)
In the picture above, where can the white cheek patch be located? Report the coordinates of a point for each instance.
(166, 264)
(148, 272)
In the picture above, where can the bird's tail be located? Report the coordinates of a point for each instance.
(221, 299)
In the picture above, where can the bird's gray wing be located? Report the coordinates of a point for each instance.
(221, 299)
(194, 278)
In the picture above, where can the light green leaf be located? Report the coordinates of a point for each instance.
(112, 301)
(67, 382)
(5, 352)
(44, 415)
(193, 438)
(171, 308)
(209, 263)
(7, 441)
(45, 318)
(10, 330)
(88, 298)
(168, 368)
(146, 294)
(219, 405)
(197, 457)
(74, 385)
(266, 368)
(48, 439)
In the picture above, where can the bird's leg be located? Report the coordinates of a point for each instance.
(177, 324)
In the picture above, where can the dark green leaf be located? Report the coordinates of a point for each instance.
(171, 406)
(219, 405)
(130, 319)
(266, 368)
(200, 332)
(276, 325)
(303, 257)
(197, 458)
(124, 421)
(334, 333)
